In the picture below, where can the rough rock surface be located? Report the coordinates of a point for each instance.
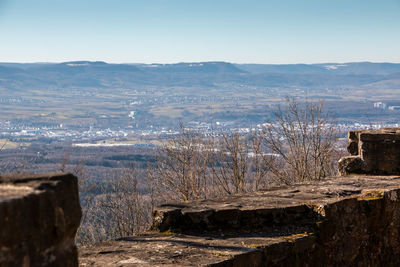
(351, 164)
(373, 152)
(340, 221)
(39, 217)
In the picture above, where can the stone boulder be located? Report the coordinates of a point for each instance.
(39, 217)
(372, 152)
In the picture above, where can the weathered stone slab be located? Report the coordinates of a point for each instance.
(39, 217)
(377, 151)
(168, 249)
(340, 221)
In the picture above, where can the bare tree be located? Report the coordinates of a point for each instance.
(182, 169)
(3, 145)
(64, 162)
(258, 169)
(113, 209)
(299, 145)
(301, 141)
(91, 230)
(124, 207)
(230, 163)
(151, 185)
(3, 165)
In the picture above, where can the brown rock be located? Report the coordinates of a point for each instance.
(352, 148)
(39, 217)
(378, 150)
(351, 164)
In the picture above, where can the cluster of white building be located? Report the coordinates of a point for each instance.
(383, 105)
(60, 132)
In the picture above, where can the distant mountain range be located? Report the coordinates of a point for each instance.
(87, 74)
(357, 68)
(216, 67)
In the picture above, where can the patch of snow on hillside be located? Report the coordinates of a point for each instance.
(77, 64)
(196, 65)
(334, 67)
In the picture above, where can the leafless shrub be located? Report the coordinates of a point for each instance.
(3, 165)
(90, 230)
(230, 163)
(3, 145)
(182, 170)
(259, 171)
(124, 207)
(64, 162)
(301, 141)
(114, 209)
(18, 165)
(193, 166)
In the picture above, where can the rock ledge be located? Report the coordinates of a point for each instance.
(39, 217)
(351, 220)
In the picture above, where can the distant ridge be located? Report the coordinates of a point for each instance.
(99, 74)
(194, 67)
(324, 68)
(225, 67)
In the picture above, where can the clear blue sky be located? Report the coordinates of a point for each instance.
(167, 31)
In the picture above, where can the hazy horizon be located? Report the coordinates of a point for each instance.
(188, 62)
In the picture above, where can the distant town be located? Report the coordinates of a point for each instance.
(99, 136)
